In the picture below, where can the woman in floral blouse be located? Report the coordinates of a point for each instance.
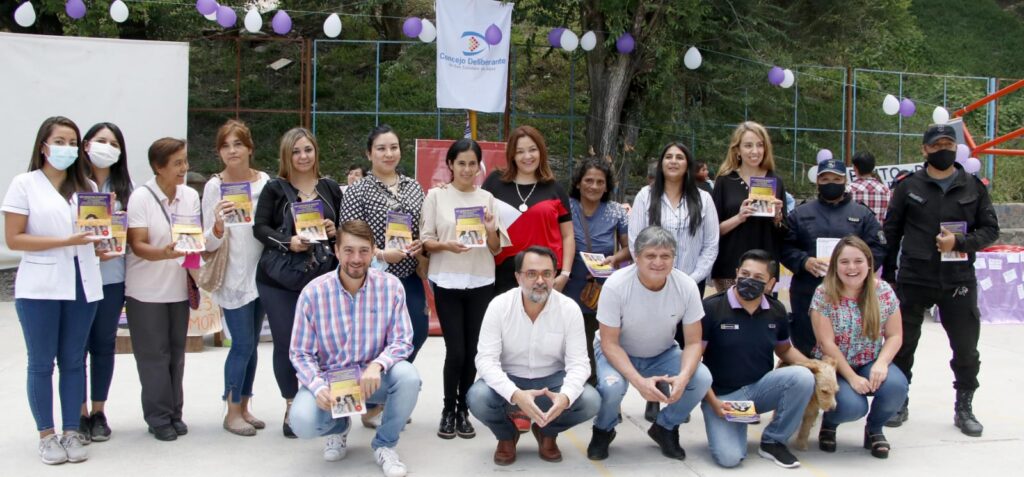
(857, 322)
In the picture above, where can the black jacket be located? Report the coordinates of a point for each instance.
(917, 207)
(819, 219)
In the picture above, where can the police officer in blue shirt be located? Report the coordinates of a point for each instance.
(834, 215)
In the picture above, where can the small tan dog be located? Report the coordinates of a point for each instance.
(824, 397)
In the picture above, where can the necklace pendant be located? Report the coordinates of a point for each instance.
(523, 207)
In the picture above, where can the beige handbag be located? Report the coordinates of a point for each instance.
(210, 276)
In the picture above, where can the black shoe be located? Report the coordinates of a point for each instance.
(779, 454)
(85, 430)
(668, 441)
(100, 430)
(286, 429)
(599, 442)
(446, 430)
(165, 432)
(652, 410)
(464, 428)
(179, 427)
(900, 417)
(963, 416)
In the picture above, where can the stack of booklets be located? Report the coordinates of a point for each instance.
(398, 233)
(469, 226)
(187, 233)
(309, 220)
(117, 243)
(762, 192)
(740, 411)
(239, 193)
(346, 395)
(94, 214)
(594, 266)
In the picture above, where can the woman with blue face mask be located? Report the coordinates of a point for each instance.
(58, 284)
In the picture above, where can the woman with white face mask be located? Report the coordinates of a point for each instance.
(108, 168)
(58, 284)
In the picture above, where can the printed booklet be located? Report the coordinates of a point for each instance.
(593, 264)
(762, 191)
(825, 247)
(94, 214)
(187, 233)
(309, 220)
(469, 226)
(346, 395)
(398, 234)
(116, 244)
(741, 411)
(240, 193)
(958, 228)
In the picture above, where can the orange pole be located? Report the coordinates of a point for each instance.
(1001, 152)
(983, 101)
(1001, 139)
(969, 138)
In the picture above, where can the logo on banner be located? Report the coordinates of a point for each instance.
(474, 43)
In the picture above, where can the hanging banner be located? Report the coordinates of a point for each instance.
(472, 74)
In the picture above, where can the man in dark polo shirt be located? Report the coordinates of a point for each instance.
(744, 330)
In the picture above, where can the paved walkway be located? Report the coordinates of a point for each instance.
(928, 445)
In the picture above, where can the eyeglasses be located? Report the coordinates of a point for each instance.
(533, 274)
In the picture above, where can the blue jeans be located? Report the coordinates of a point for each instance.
(245, 324)
(851, 406)
(613, 386)
(416, 301)
(785, 391)
(56, 329)
(492, 409)
(399, 388)
(103, 341)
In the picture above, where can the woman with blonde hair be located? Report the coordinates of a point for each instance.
(857, 322)
(749, 155)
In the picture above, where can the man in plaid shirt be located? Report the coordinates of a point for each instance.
(868, 189)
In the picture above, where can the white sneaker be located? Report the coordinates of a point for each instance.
(50, 450)
(389, 463)
(336, 447)
(74, 447)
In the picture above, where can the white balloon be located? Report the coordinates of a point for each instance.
(812, 174)
(118, 11)
(332, 26)
(692, 60)
(890, 105)
(253, 20)
(589, 41)
(569, 40)
(429, 32)
(25, 15)
(788, 79)
(940, 115)
(212, 17)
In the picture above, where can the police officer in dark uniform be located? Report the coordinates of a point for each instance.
(935, 211)
(833, 215)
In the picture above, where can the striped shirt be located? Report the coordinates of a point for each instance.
(334, 329)
(695, 252)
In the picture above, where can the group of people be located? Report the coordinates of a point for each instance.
(533, 341)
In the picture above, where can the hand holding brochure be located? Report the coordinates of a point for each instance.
(187, 233)
(469, 226)
(116, 243)
(740, 411)
(239, 193)
(346, 395)
(825, 247)
(398, 234)
(94, 211)
(762, 192)
(594, 266)
(309, 220)
(957, 228)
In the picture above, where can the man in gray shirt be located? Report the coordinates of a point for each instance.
(639, 309)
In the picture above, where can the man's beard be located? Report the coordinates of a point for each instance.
(537, 294)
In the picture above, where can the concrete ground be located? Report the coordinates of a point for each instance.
(928, 445)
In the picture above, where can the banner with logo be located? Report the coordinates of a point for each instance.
(470, 73)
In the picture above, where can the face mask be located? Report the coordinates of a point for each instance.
(103, 155)
(831, 191)
(941, 160)
(749, 288)
(61, 157)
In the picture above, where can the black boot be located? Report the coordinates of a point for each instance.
(463, 427)
(901, 416)
(963, 416)
(599, 442)
(654, 407)
(446, 430)
(668, 441)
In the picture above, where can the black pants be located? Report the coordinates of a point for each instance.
(460, 313)
(960, 318)
(590, 327)
(505, 276)
(679, 327)
(800, 330)
(280, 307)
(158, 333)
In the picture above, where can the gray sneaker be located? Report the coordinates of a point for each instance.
(74, 447)
(50, 450)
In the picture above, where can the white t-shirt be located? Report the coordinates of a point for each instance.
(239, 286)
(647, 319)
(50, 274)
(161, 281)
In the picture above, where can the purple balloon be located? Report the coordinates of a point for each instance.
(776, 76)
(206, 7)
(972, 166)
(625, 44)
(493, 35)
(824, 155)
(555, 37)
(75, 9)
(282, 23)
(412, 27)
(907, 108)
(226, 16)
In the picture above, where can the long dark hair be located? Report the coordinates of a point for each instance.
(588, 164)
(459, 147)
(76, 180)
(690, 191)
(120, 180)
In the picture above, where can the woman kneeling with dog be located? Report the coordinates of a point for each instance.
(856, 321)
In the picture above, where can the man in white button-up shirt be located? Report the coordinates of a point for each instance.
(532, 353)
